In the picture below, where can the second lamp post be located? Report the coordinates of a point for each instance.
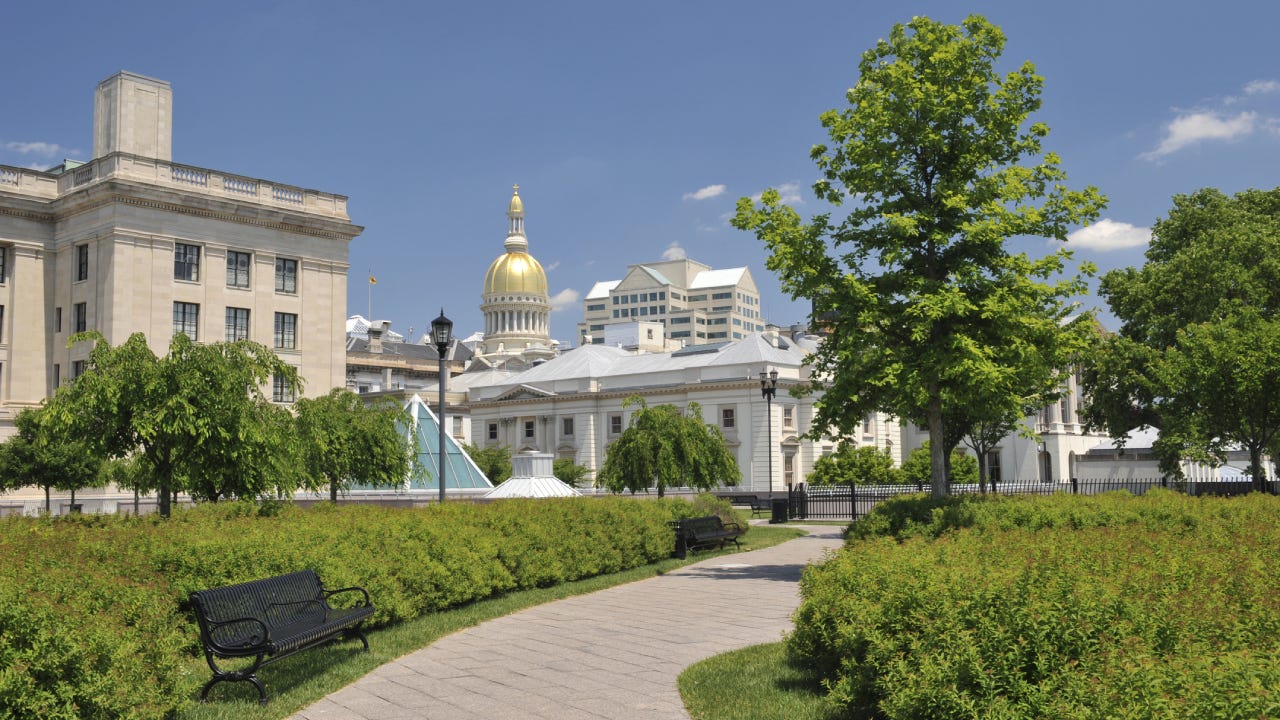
(768, 386)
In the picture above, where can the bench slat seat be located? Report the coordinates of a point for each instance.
(704, 531)
(270, 619)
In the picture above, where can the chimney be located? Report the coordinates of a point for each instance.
(133, 114)
(376, 330)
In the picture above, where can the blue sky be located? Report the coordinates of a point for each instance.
(631, 128)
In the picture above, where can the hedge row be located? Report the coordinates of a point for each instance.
(1162, 606)
(93, 621)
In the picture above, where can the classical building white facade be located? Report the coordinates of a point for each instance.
(515, 301)
(134, 242)
(572, 405)
(695, 304)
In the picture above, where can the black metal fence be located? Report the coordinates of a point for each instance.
(850, 502)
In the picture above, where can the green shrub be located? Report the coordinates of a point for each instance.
(705, 503)
(1161, 606)
(93, 622)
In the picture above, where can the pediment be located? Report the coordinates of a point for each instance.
(525, 392)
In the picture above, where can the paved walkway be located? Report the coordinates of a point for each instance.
(612, 654)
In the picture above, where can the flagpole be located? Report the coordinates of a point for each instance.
(370, 295)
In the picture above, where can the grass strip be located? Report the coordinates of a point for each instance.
(754, 683)
(299, 681)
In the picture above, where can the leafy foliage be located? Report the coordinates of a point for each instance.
(850, 465)
(916, 468)
(345, 442)
(196, 417)
(494, 462)
(1196, 355)
(38, 455)
(569, 472)
(927, 306)
(663, 447)
(91, 605)
(1158, 607)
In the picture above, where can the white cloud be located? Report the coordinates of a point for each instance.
(566, 299)
(38, 148)
(705, 193)
(1189, 129)
(674, 252)
(553, 266)
(789, 193)
(1262, 87)
(1107, 234)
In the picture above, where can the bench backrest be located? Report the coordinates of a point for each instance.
(702, 525)
(276, 601)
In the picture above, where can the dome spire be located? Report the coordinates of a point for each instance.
(516, 241)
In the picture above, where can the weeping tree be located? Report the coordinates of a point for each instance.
(663, 447)
(344, 442)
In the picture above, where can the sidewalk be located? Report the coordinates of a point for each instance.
(612, 654)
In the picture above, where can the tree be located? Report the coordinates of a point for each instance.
(494, 462)
(1197, 354)
(663, 447)
(850, 465)
(925, 303)
(569, 472)
(197, 416)
(35, 455)
(917, 468)
(345, 442)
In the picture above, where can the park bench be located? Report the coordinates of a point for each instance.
(271, 619)
(693, 533)
(756, 503)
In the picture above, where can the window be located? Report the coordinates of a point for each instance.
(727, 418)
(1, 323)
(493, 431)
(81, 311)
(4, 266)
(566, 427)
(82, 262)
(286, 275)
(186, 262)
(697, 298)
(282, 390)
(868, 427)
(238, 269)
(993, 465)
(788, 416)
(186, 319)
(680, 334)
(680, 321)
(77, 368)
(615, 313)
(615, 424)
(57, 319)
(57, 375)
(457, 426)
(721, 296)
(528, 429)
(789, 468)
(237, 324)
(286, 331)
(644, 310)
(595, 307)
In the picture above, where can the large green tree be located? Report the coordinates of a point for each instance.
(663, 447)
(494, 461)
(1197, 354)
(936, 165)
(197, 416)
(37, 456)
(345, 442)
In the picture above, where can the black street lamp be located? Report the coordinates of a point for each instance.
(769, 386)
(441, 330)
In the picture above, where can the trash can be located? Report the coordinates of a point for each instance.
(779, 506)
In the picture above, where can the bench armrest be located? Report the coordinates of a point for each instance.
(215, 624)
(330, 593)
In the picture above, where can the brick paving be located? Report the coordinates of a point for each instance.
(611, 654)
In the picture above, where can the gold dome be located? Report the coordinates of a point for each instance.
(515, 273)
(517, 205)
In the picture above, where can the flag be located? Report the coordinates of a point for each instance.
(373, 280)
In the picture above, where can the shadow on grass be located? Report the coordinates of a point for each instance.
(754, 683)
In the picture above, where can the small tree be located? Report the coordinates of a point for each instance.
(35, 456)
(494, 462)
(569, 472)
(850, 465)
(916, 469)
(345, 442)
(663, 447)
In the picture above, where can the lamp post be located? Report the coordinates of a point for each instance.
(768, 386)
(441, 329)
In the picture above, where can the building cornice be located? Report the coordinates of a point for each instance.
(624, 393)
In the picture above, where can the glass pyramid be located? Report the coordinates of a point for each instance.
(460, 471)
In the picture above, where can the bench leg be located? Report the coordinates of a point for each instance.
(355, 632)
(249, 675)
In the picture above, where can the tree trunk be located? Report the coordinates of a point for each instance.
(1255, 468)
(982, 473)
(48, 503)
(937, 443)
(333, 491)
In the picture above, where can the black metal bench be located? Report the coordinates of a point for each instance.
(271, 619)
(693, 533)
(755, 502)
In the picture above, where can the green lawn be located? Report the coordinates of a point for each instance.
(296, 682)
(754, 683)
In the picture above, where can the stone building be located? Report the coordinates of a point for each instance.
(132, 241)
